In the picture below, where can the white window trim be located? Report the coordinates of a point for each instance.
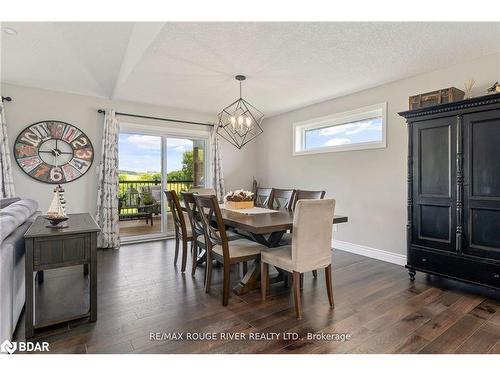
(363, 113)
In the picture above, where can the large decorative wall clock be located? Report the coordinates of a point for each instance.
(54, 152)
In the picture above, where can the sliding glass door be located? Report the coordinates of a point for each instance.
(149, 164)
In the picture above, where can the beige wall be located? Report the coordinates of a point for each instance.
(31, 105)
(369, 185)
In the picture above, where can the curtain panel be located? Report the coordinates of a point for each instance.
(107, 215)
(216, 166)
(6, 179)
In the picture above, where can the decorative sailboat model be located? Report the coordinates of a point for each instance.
(56, 214)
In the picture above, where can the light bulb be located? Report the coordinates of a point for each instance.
(240, 120)
(249, 121)
(233, 121)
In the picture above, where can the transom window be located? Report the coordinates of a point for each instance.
(363, 128)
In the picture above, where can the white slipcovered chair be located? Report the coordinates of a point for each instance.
(310, 248)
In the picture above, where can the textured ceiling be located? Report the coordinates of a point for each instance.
(192, 65)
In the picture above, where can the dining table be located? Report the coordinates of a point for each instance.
(265, 228)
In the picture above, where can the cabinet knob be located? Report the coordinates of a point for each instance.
(424, 259)
(497, 276)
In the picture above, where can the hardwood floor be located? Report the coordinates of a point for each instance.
(141, 292)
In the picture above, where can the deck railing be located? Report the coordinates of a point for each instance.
(131, 198)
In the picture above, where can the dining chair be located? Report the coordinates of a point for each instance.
(263, 197)
(282, 199)
(203, 191)
(310, 249)
(218, 246)
(307, 194)
(302, 194)
(197, 231)
(183, 230)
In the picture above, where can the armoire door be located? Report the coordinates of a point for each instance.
(434, 183)
(482, 184)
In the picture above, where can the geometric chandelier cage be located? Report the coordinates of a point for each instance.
(239, 122)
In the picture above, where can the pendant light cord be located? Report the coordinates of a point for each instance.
(240, 89)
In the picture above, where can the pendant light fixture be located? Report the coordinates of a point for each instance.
(240, 121)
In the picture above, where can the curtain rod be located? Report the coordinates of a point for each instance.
(158, 118)
(6, 99)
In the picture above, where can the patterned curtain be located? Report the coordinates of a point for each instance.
(216, 166)
(107, 190)
(6, 180)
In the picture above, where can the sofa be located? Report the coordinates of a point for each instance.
(16, 216)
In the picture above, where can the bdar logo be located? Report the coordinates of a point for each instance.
(8, 347)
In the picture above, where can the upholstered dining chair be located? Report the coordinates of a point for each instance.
(183, 231)
(218, 246)
(203, 191)
(282, 199)
(302, 194)
(263, 197)
(310, 249)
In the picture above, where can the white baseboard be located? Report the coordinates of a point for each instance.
(370, 252)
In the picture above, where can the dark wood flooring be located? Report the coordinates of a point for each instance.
(140, 291)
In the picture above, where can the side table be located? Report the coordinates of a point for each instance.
(49, 248)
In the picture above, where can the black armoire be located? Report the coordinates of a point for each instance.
(453, 226)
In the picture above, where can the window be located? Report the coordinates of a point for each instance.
(363, 128)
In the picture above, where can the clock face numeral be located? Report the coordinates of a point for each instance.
(79, 164)
(84, 153)
(56, 174)
(53, 152)
(24, 150)
(28, 164)
(70, 173)
(80, 142)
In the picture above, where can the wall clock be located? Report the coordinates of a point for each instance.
(53, 152)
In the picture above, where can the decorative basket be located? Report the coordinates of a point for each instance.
(239, 205)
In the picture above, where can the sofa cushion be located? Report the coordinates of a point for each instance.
(4, 202)
(15, 215)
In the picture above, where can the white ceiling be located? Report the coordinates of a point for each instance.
(192, 65)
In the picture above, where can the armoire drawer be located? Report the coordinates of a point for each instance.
(455, 266)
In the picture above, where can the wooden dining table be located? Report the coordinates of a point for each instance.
(267, 229)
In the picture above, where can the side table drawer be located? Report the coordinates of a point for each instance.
(56, 252)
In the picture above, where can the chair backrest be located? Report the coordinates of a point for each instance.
(263, 197)
(210, 214)
(282, 199)
(312, 234)
(203, 191)
(177, 215)
(307, 194)
(193, 214)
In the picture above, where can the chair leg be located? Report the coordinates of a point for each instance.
(208, 272)
(296, 294)
(226, 288)
(184, 255)
(176, 249)
(301, 281)
(329, 289)
(315, 273)
(194, 252)
(264, 279)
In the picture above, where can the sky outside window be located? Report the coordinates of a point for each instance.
(364, 131)
(142, 153)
